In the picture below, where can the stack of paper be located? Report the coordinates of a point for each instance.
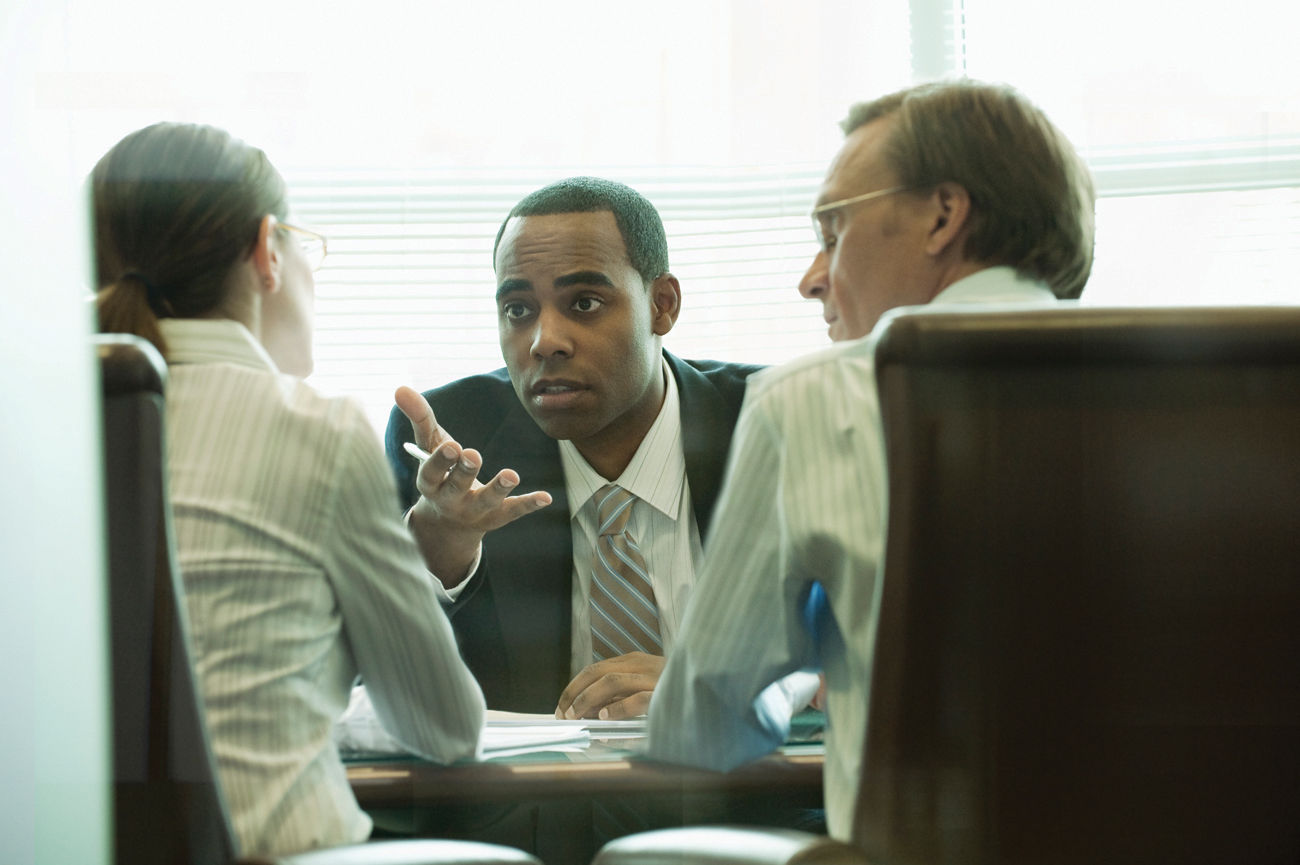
(513, 739)
(359, 734)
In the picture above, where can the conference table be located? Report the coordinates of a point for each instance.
(543, 800)
(795, 772)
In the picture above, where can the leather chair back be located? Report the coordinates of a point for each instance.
(168, 807)
(1089, 646)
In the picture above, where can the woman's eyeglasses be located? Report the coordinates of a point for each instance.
(311, 243)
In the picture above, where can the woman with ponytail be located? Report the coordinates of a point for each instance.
(298, 572)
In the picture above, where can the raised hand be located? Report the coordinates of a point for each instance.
(455, 510)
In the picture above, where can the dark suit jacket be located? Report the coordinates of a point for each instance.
(513, 621)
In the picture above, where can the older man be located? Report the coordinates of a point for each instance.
(955, 193)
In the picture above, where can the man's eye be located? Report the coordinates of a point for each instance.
(828, 242)
(588, 304)
(514, 310)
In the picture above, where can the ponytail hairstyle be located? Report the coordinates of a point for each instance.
(176, 206)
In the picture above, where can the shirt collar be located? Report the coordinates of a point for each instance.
(213, 340)
(657, 471)
(1000, 284)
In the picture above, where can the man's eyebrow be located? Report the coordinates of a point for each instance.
(510, 286)
(584, 277)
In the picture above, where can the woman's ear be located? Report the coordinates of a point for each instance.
(665, 303)
(266, 256)
(949, 215)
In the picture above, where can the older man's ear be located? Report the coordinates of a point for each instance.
(949, 208)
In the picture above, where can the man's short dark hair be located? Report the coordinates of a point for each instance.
(638, 221)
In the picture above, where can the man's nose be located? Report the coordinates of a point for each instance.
(815, 282)
(551, 335)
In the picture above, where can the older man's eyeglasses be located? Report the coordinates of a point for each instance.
(820, 213)
(311, 243)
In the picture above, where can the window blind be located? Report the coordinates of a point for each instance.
(1193, 139)
(406, 294)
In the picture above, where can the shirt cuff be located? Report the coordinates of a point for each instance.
(447, 596)
(799, 689)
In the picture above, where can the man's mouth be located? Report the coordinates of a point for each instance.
(556, 393)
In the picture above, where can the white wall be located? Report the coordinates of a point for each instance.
(53, 698)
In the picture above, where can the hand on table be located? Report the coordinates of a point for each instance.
(614, 689)
(455, 510)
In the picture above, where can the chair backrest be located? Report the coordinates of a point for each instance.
(1089, 643)
(168, 807)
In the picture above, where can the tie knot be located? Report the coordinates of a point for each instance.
(613, 509)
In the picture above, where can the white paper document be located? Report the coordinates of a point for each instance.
(499, 720)
(358, 733)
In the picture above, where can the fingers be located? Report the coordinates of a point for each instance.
(613, 689)
(448, 480)
(631, 707)
(608, 694)
(424, 425)
(453, 476)
(437, 469)
(463, 471)
(494, 497)
(585, 678)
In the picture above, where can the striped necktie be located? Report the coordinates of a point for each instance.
(624, 617)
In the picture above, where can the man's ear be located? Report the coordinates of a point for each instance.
(950, 213)
(266, 256)
(665, 303)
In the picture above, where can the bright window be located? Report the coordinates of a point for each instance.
(1190, 118)
(407, 129)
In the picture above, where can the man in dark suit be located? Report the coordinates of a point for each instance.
(588, 396)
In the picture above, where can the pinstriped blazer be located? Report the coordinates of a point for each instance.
(298, 576)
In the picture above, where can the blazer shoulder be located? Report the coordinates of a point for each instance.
(712, 393)
(472, 407)
(727, 378)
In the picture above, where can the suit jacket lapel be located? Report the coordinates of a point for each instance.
(533, 603)
(706, 437)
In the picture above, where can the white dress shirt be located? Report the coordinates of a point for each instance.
(662, 522)
(298, 575)
(804, 500)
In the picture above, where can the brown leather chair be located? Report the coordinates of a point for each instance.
(1089, 636)
(168, 807)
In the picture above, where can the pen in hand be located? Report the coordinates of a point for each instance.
(416, 451)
